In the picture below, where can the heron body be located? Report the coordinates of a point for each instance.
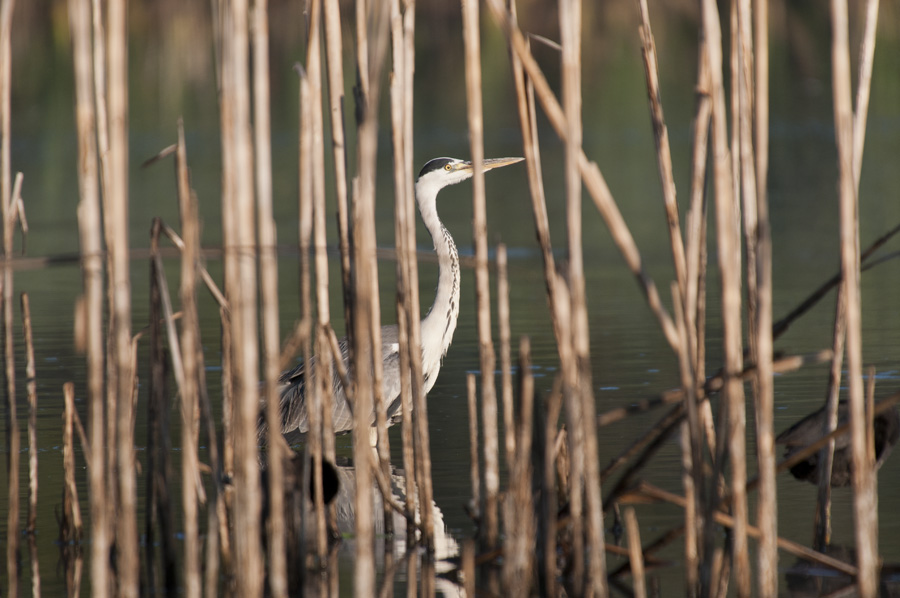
(437, 327)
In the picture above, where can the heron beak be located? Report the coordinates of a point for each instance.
(492, 163)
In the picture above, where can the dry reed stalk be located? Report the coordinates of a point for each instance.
(471, 40)
(71, 508)
(268, 266)
(31, 389)
(90, 240)
(335, 64)
(663, 151)
(402, 176)
(240, 239)
(12, 424)
(509, 435)
(190, 344)
(730, 268)
(635, 554)
(159, 510)
(366, 354)
(580, 385)
(865, 499)
(822, 534)
(520, 515)
(474, 469)
(863, 87)
(309, 211)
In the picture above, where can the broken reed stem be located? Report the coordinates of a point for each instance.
(635, 554)
(471, 40)
(159, 511)
(519, 512)
(268, 282)
(31, 389)
(90, 242)
(474, 469)
(822, 534)
(509, 435)
(71, 506)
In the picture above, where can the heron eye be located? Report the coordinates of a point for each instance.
(447, 167)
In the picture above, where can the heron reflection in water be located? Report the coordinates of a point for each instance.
(437, 326)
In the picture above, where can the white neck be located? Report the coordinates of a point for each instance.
(440, 322)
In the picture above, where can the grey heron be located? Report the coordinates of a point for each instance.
(437, 326)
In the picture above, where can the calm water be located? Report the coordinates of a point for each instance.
(631, 359)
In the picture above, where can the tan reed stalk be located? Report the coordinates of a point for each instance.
(190, 388)
(335, 64)
(863, 87)
(72, 509)
(90, 240)
(268, 265)
(822, 534)
(635, 554)
(227, 393)
(471, 40)
(663, 151)
(401, 188)
(692, 477)
(570, 35)
(309, 218)
(31, 389)
(474, 468)
(865, 499)
(240, 239)
(509, 435)
(520, 515)
(12, 423)
(366, 355)
(127, 561)
(729, 267)
(468, 568)
(159, 473)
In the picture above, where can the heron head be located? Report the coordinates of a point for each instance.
(441, 172)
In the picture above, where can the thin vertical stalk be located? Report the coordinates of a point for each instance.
(730, 268)
(471, 33)
(159, 511)
(509, 435)
(635, 554)
(268, 266)
(335, 64)
(31, 389)
(72, 510)
(90, 240)
(865, 501)
(240, 238)
(864, 87)
(580, 385)
(12, 424)
(474, 469)
(401, 190)
(366, 356)
(120, 292)
(190, 388)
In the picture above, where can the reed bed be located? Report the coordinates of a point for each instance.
(540, 529)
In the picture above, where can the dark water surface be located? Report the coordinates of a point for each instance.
(630, 358)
